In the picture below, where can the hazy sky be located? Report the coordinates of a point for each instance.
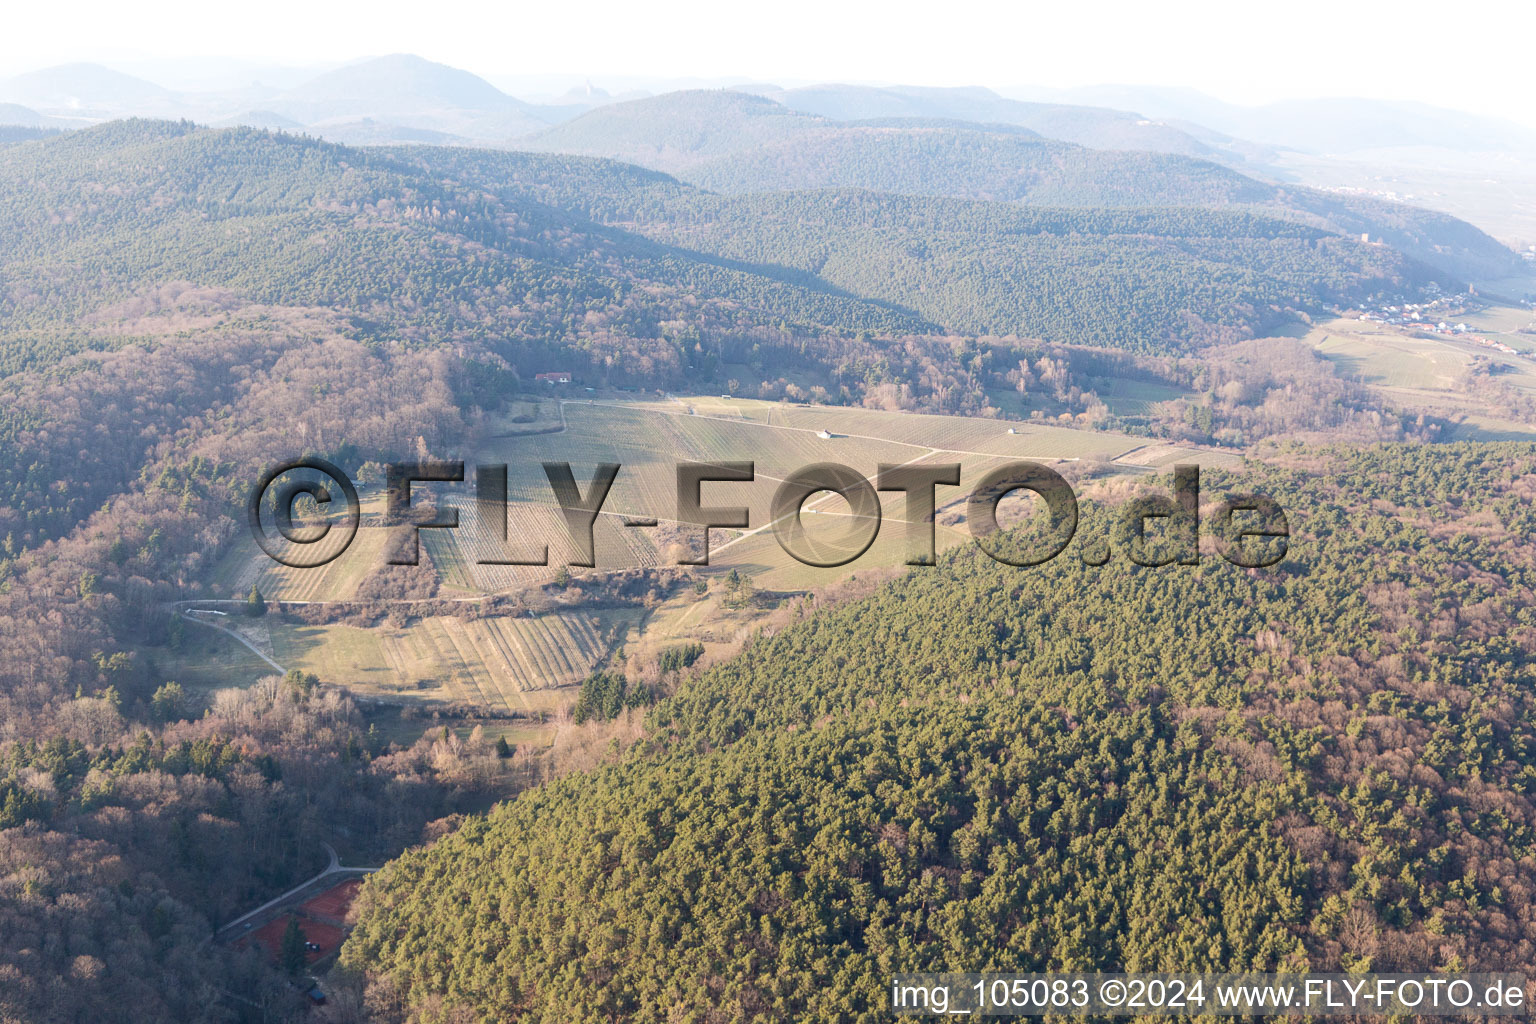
(1475, 55)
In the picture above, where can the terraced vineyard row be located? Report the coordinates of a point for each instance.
(334, 581)
(448, 557)
(405, 658)
(488, 683)
(501, 662)
(534, 525)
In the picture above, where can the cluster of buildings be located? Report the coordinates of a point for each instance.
(1422, 316)
(1375, 193)
(1497, 346)
(1417, 314)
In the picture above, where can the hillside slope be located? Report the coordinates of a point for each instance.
(405, 90)
(1317, 766)
(292, 221)
(734, 142)
(619, 271)
(1094, 127)
(88, 90)
(1142, 279)
(729, 141)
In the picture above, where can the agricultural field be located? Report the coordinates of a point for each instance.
(772, 569)
(1166, 456)
(649, 437)
(1394, 357)
(515, 664)
(405, 724)
(245, 565)
(951, 435)
(535, 525)
(535, 415)
(1134, 397)
(530, 665)
(829, 519)
(1429, 372)
(453, 570)
(750, 409)
(1374, 354)
(1515, 326)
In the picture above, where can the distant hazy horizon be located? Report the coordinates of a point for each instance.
(217, 74)
(1472, 60)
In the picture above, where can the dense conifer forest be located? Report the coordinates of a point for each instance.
(1321, 765)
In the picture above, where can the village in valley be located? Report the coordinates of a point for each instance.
(1443, 316)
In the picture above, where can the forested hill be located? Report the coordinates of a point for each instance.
(1150, 279)
(95, 217)
(139, 233)
(736, 142)
(1147, 280)
(732, 142)
(1324, 766)
(614, 270)
(1096, 127)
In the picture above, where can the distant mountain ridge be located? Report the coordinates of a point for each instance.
(678, 129)
(16, 115)
(519, 247)
(730, 141)
(403, 88)
(1093, 126)
(1334, 124)
(394, 98)
(86, 89)
(1160, 147)
(411, 91)
(406, 90)
(739, 143)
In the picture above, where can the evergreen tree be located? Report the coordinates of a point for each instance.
(167, 703)
(291, 954)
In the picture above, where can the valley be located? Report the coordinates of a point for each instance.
(458, 655)
(640, 787)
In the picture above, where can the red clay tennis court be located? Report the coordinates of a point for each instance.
(331, 905)
(270, 937)
(334, 902)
